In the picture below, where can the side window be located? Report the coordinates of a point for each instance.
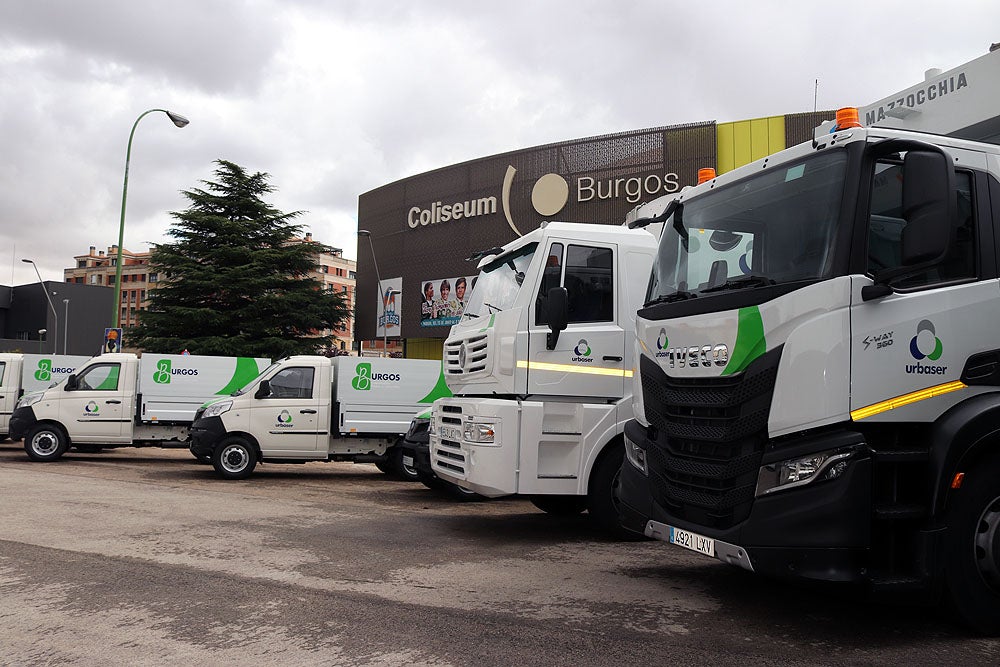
(292, 383)
(551, 277)
(590, 283)
(102, 377)
(3, 367)
(886, 224)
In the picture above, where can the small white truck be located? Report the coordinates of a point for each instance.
(121, 400)
(22, 374)
(310, 408)
(541, 366)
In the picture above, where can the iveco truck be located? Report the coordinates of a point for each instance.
(25, 373)
(541, 370)
(817, 392)
(121, 400)
(309, 408)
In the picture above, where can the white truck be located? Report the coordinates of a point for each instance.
(121, 400)
(308, 408)
(818, 385)
(540, 369)
(26, 373)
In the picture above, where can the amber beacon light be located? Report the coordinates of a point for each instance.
(705, 174)
(847, 117)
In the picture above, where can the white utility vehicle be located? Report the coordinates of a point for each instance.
(22, 374)
(818, 394)
(121, 400)
(540, 369)
(309, 408)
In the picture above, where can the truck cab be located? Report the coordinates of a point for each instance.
(540, 369)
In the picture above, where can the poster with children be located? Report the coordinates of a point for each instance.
(443, 300)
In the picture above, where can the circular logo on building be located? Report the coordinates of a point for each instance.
(550, 194)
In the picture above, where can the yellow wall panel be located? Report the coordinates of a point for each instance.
(744, 141)
(725, 158)
(424, 348)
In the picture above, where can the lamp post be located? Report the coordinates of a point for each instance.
(378, 276)
(179, 121)
(55, 315)
(65, 325)
(41, 334)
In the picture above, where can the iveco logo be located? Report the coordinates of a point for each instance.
(695, 356)
(463, 353)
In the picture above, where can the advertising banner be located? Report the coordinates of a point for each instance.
(391, 297)
(443, 300)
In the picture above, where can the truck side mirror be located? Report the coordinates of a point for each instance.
(71, 383)
(557, 310)
(263, 389)
(928, 207)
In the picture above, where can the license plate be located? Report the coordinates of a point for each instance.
(692, 541)
(451, 433)
(407, 461)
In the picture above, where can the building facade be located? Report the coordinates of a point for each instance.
(72, 316)
(426, 226)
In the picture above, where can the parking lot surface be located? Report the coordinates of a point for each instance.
(143, 556)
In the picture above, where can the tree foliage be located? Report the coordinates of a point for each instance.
(236, 281)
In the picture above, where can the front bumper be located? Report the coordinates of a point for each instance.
(488, 468)
(21, 422)
(206, 434)
(819, 532)
(420, 453)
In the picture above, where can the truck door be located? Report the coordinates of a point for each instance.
(588, 359)
(95, 410)
(287, 420)
(8, 396)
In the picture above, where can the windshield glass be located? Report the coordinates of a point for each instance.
(497, 285)
(774, 228)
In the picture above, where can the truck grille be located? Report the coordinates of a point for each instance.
(466, 355)
(711, 436)
(449, 451)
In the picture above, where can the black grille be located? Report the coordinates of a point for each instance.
(710, 435)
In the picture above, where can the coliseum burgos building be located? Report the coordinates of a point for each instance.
(423, 228)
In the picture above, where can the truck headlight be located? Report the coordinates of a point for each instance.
(802, 470)
(479, 432)
(29, 399)
(216, 409)
(636, 455)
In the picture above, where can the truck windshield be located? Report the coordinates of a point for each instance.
(497, 285)
(773, 228)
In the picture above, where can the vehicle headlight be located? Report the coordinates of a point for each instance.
(216, 409)
(802, 470)
(479, 432)
(28, 399)
(636, 455)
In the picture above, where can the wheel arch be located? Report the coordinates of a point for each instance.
(966, 434)
(600, 453)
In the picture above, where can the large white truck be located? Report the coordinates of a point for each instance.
(309, 408)
(540, 369)
(818, 385)
(25, 373)
(121, 400)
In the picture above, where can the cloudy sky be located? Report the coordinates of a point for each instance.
(334, 98)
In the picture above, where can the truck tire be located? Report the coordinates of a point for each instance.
(234, 458)
(461, 494)
(45, 442)
(602, 491)
(560, 505)
(972, 558)
(399, 469)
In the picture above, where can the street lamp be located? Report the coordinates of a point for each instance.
(179, 121)
(41, 334)
(55, 315)
(65, 325)
(382, 296)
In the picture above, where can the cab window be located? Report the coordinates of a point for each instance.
(101, 377)
(292, 383)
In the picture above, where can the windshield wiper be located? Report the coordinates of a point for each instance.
(679, 295)
(471, 314)
(741, 283)
(493, 309)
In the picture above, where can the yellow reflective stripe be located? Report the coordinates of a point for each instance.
(567, 368)
(906, 399)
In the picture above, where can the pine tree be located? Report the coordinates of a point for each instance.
(234, 282)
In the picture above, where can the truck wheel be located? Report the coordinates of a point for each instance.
(973, 555)
(384, 466)
(407, 473)
(602, 492)
(235, 458)
(45, 442)
(461, 494)
(560, 505)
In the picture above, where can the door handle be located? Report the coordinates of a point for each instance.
(112, 402)
(307, 412)
(607, 358)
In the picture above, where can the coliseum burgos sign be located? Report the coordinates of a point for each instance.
(549, 195)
